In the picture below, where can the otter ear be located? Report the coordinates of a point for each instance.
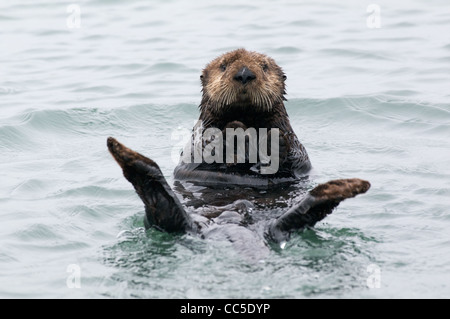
(203, 76)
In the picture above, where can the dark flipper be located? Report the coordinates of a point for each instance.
(162, 207)
(317, 204)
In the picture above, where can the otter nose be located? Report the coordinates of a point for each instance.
(244, 75)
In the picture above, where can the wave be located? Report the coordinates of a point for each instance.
(396, 109)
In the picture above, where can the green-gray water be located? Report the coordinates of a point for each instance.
(368, 103)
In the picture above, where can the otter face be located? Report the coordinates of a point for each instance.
(243, 79)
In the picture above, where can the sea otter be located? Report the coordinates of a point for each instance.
(236, 196)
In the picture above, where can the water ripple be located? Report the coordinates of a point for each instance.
(369, 103)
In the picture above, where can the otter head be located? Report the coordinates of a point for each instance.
(243, 79)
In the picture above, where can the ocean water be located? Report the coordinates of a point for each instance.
(366, 102)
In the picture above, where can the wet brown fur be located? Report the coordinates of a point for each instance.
(221, 91)
(256, 104)
(340, 189)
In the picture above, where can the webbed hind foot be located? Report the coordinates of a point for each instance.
(162, 207)
(316, 205)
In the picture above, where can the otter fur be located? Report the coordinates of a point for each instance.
(241, 90)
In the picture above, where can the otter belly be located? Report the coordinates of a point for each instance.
(165, 212)
(208, 176)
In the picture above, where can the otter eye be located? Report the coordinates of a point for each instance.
(223, 67)
(265, 68)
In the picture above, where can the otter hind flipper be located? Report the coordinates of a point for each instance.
(162, 207)
(317, 204)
